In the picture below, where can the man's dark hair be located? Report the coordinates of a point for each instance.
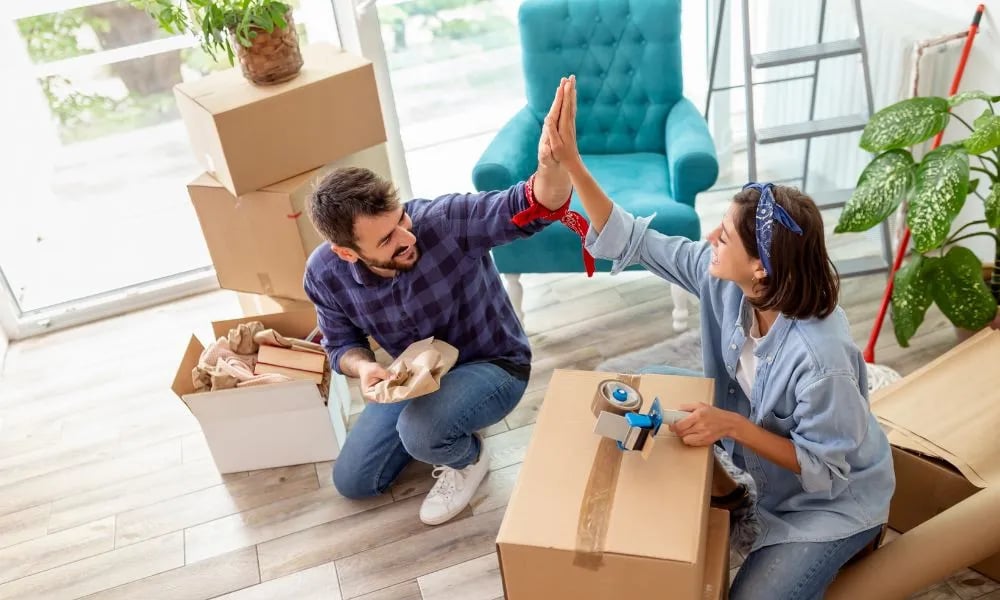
(344, 195)
(804, 283)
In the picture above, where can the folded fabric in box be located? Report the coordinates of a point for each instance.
(416, 372)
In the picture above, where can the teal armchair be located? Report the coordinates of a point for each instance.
(645, 143)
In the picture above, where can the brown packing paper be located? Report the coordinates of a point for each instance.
(415, 372)
(960, 536)
(950, 408)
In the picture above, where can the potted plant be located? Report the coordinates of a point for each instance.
(260, 32)
(936, 271)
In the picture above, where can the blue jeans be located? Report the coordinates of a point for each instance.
(436, 429)
(796, 570)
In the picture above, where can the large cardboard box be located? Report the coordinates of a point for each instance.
(260, 427)
(249, 136)
(259, 304)
(942, 421)
(259, 242)
(656, 511)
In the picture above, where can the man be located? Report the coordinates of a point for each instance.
(404, 272)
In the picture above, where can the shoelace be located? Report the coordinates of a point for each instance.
(448, 481)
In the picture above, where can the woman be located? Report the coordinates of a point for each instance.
(791, 401)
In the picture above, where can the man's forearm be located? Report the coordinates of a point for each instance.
(350, 360)
(552, 187)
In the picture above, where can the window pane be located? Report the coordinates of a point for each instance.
(456, 74)
(95, 197)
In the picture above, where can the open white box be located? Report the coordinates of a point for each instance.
(275, 425)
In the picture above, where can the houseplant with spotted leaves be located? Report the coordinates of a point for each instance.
(937, 270)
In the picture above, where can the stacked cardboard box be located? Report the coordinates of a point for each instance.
(264, 149)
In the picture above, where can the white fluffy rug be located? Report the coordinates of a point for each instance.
(683, 351)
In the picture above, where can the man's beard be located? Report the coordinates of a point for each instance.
(393, 264)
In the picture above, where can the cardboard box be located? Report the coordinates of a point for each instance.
(259, 242)
(249, 136)
(657, 519)
(942, 421)
(716, 583)
(260, 427)
(260, 304)
(926, 487)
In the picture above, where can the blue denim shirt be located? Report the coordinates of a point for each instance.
(811, 387)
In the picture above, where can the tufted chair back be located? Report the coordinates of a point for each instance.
(626, 55)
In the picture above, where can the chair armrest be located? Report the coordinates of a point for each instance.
(512, 156)
(691, 158)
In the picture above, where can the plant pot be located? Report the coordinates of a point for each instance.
(964, 334)
(271, 57)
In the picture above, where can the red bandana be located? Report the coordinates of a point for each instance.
(570, 218)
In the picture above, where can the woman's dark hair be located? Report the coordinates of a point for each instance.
(804, 282)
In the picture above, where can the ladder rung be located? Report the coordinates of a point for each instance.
(827, 199)
(756, 83)
(808, 129)
(864, 265)
(789, 56)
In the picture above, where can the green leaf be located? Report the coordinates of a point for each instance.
(881, 187)
(981, 120)
(973, 186)
(992, 206)
(911, 297)
(959, 289)
(986, 135)
(964, 97)
(941, 187)
(905, 123)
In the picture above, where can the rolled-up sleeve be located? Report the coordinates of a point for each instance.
(831, 420)
(627, 240)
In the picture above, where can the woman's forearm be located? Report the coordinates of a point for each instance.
(595, 202)
(778, 450)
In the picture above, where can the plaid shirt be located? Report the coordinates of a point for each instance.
(453, 292)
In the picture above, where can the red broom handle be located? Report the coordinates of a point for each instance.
(869, 352)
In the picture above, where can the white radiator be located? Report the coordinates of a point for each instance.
(837, 161)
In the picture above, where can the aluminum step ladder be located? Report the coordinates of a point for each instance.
(811, 128)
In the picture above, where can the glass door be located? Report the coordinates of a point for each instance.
(94, 212)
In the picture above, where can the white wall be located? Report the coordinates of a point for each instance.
(982, 72)
(4, 343)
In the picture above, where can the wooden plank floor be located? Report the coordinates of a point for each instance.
(107, 489)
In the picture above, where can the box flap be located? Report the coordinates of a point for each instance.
(952, 406)
(293, 323)
(205, 180)
(660, 504)
(226, 90)
(182, 380)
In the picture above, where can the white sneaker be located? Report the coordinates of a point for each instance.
(454, 489)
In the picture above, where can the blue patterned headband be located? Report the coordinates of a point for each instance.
(769, 211)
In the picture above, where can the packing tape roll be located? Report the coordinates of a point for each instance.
(616, 397)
